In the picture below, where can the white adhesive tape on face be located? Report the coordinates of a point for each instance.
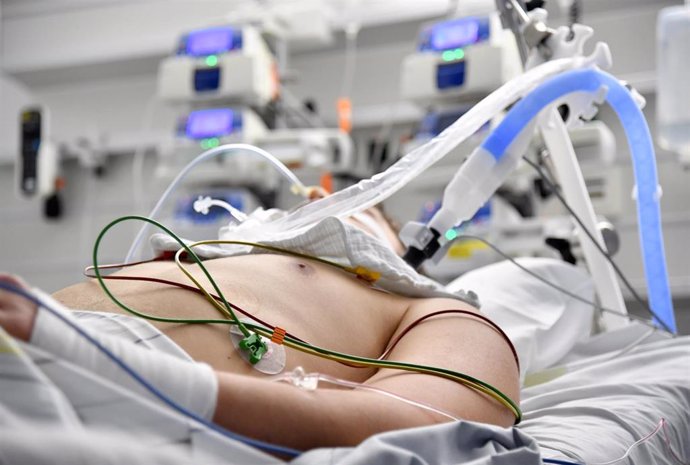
(273, 361)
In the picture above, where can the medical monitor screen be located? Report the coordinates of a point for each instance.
(212, 41)
(457, 33)
(202, 124)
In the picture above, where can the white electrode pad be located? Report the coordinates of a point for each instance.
(273, 361)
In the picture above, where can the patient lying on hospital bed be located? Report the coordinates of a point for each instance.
(321, 305)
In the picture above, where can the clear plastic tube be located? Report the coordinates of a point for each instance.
(309, 381)
(647, 190)
(660, 427)
(296, 184)
(369, 192)
(204, 203)
(139, 155)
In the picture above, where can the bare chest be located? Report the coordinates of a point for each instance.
(314, 302)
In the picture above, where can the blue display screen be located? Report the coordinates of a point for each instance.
(457, 33)
(202, 124)
(212, 41)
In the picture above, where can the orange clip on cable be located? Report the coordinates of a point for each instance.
(278, 335)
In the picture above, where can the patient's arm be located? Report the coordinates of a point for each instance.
(290, 416)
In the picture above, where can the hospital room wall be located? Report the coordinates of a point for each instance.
(108, 107)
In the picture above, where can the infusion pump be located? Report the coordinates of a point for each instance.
(460, 59)
(228, 63)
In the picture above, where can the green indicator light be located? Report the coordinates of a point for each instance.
(459, 54)
(451, 234)
(214, 142)
(448, 55)
(211, 60)
(204, 144)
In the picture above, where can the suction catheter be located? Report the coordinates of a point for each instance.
(490, 164)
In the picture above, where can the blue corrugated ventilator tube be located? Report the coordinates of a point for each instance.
(644, 166)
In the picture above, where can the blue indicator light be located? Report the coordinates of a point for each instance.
(210, 124)
(454, 34)
(212, 41)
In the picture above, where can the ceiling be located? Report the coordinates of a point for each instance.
(366, 11)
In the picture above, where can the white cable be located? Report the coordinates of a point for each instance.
(87, 214)
(630, 316)
(656, 430)
(291, 101)
(296, 184)
(660, 427)
(618, 353)
(351, 33)
(342, 382)
(138, 157)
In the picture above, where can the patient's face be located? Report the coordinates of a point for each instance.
(374, 223)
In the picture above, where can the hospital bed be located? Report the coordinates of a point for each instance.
(585, 399)
(589, 396)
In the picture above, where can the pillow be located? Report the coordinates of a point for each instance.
(543, 323)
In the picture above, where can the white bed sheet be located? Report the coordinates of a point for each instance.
(611, 399)
(543, 323)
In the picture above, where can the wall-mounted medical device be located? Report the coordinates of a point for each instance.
(595, 147)
(207, 128)
(224, 62)
(322, 149)
(673, 74)
(462, 59)
(37, 161)
(210, 127)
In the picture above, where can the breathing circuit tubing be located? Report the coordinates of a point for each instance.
(369, 192)
(296, 184)
(647, 192)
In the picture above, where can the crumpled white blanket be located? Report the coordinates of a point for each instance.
(335, 240)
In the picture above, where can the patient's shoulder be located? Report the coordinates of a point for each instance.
(452, 334)
(427, 308)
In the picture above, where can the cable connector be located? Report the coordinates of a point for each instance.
(303, 380)
(421, 241)
(203, 205)
(278, 336)
(255, 347)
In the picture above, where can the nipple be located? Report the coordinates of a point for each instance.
(271, 363)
